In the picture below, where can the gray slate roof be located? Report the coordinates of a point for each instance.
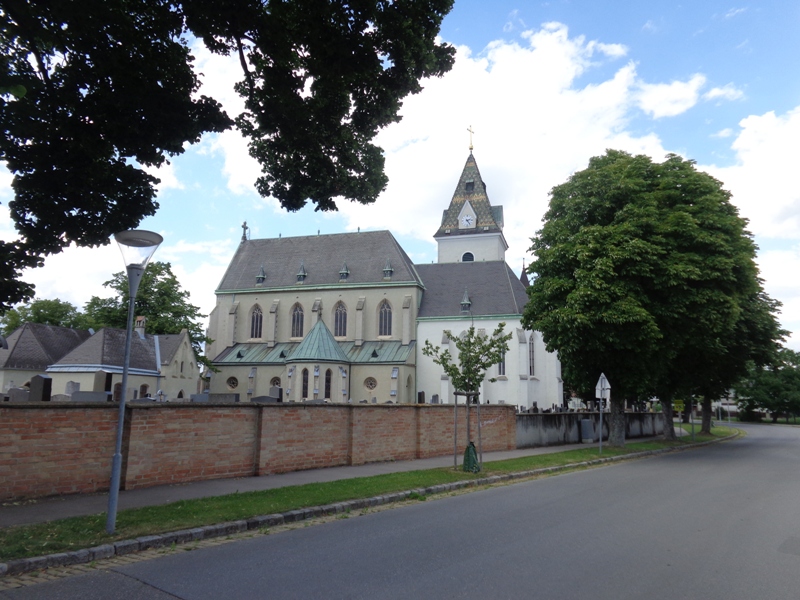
(492, 286)
(489, 218)
(35, 346)
(106, 349)
(322, 257)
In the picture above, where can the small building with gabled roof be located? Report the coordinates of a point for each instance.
(158, 362)
(32, 347)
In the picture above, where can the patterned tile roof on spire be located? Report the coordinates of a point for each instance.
(472, 189)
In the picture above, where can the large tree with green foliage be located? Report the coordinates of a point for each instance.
(92, 91)
(48, 312)
(775, 387)
(646, 272)
(160, 300)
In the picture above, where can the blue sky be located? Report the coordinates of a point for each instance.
(545, 85)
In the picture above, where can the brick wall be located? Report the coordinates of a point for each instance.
(178, 443)
(56, 450)
(297, 436)
(47, 449)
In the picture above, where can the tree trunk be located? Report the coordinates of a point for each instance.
(616, 423)
(669, 426)
(706, 426)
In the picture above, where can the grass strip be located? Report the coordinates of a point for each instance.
(84, 532)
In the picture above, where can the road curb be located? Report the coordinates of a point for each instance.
(21, 566)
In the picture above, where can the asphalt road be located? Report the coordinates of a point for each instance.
(717, 522)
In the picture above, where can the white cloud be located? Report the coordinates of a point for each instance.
(764, 188)
(533, 127)
(726, 92)
(779, 269)
(166, 175)
(612, 50)
(670, 99)
(733, 12)
(763, 180)
(723, 133)
(649, 27)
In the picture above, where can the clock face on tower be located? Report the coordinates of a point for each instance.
(467, 221)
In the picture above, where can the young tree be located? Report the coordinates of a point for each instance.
(47, 312)
(160, 300)
(92, 91)
(476, 353)
(645, 271)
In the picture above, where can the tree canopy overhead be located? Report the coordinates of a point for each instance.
(92, 91)
(646, 272)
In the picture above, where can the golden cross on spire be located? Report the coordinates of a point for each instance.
(470, 137)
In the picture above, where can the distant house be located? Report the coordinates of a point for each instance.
(32, 348)
(158, 362)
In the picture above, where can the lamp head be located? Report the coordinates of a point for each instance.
(137, 246)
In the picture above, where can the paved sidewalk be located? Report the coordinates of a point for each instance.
(60, 507)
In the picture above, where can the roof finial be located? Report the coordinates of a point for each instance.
(470, 138)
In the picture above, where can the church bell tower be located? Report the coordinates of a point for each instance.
(471, 229)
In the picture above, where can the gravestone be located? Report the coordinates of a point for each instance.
(199, 397)
(41, 388)
(435, 399)
(72, 387)
(18, 395)
(223, 398)
(264, 400)
(277, 393)
(90, 396)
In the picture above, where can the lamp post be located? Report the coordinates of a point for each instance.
(137, 248)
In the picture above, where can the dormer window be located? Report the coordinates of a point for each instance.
(388, 270)
(261, 276)
(470, 185)
(465, 302)
(344, 273)
(302, 273)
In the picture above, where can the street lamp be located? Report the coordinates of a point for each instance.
(137, 248)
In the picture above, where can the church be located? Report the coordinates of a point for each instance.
(344, 317)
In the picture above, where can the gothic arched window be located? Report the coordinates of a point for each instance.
(256, 321)
(305, 383)
(340, 320)
(328, 375)
(531, 363)
(385, 318)
(297, 321)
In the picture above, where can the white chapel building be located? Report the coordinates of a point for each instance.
(344, 317)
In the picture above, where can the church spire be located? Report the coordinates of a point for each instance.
(470, 210)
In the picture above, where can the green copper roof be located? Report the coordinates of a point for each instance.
(318, 346)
